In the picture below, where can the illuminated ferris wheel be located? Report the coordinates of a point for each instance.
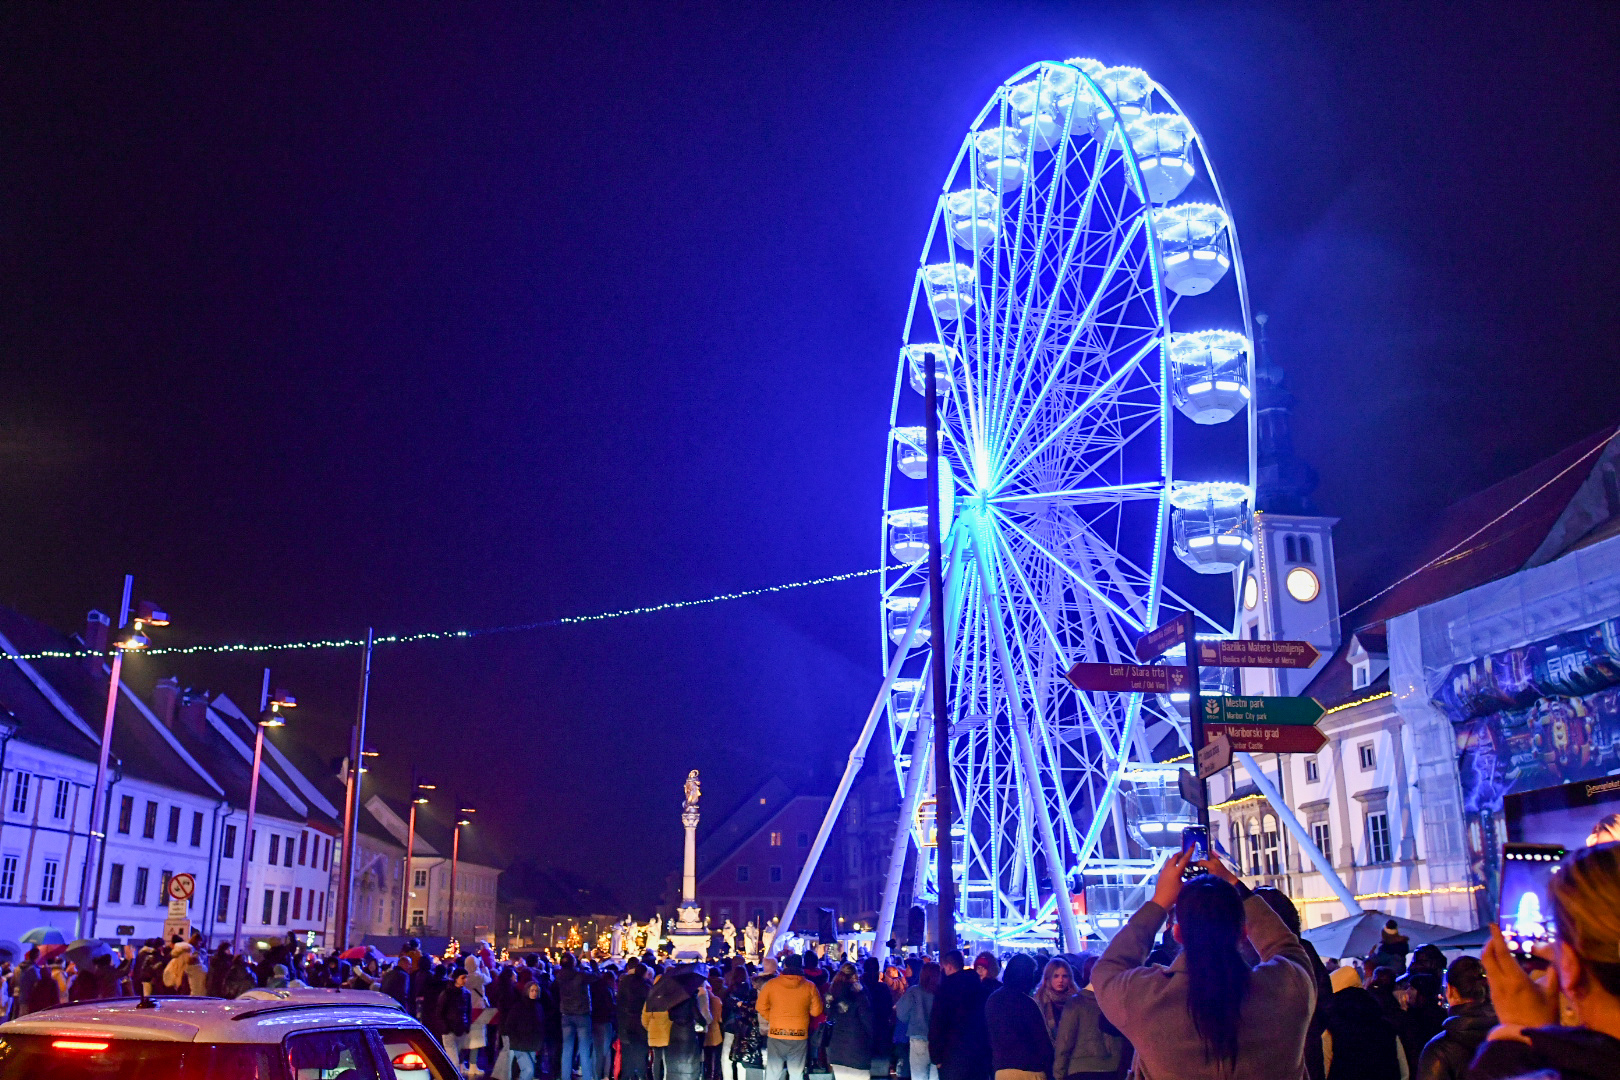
(1081, 299)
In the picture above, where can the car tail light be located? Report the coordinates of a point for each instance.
(410, 1059)
(78, 1044)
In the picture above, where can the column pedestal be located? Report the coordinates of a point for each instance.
(689, 937)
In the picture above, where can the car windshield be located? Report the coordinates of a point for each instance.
(58, 1057)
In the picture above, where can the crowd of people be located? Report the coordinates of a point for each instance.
(1230, 991)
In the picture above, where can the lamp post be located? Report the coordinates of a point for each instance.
(455, 857)
(271, 714)
(135, 639)
(419, 791)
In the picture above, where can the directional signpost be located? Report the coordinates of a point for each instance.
(1155, 643)
(1129, 678)
(1293, 711)
(1273, 739)
(1242, 652)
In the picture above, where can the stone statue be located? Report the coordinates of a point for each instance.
(751, 941)
(626, 936)
(770, 931)
(692, 790)
(728, 934)
(655, 931)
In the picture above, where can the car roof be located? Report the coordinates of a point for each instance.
(259, 1016)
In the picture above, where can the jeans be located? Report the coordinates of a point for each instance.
(728, 1068)
(602, 1047)
(452, 1048)
(576, 1033)
(921, 1067)
(525, 1065)
(786, 1055)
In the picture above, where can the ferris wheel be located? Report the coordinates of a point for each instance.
(1081, 300)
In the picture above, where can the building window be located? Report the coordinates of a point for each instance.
(1312, 772)
(126, 812)
(742, 873)
(269, 906)
(1368, 756)
(222, 910)
(421, 878)
(289, 851)
(47, 881)
(8, 878)
(163, 888)
(1254, 852)
(776, 873)
(275, 848)
(1360, 675)
(322, 913)
(1378, 837)
(804, 840)
(298, 904)
(281, 918)
(149, 826)
(230, 841)
(1322, 837)
(174, 824)
(115, 883)
(59, 808)
(142, 875)
(19, 792)
(196, 828)
(303, 847)
(418, 918)
(1290, 549)
(253, 844)
(1305, 554)
(776, 839)
(1273, 852)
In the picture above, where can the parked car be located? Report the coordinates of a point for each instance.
(303, 1034)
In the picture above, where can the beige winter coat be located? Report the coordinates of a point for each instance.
(1149, 1004)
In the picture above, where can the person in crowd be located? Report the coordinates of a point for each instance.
(149, 963)
(1468, 1017)
(678, 998)
(1362, 1043)
(219, 966)
(915, 1009)
(604, 1012)
(1421, 1015)
(1583, 977)
(1056, 991)
(1085, 1045)
(524, 1027)
(1209, 1014)
(737, 1016)
(958, 1040)
(1606, 831)
(882, 1002)
(278, 978)
(988, 968)
(632, 998)
(1392, 948)
(849, 1011)
(1381, 985)
(183, 974)
(395, 983)
(239, 979)
(1020, 1044)
(477, 1041)
(574, 1006)
(455, 1017)
(897, 1054)
(1279, 902)
(786, 1006)
(26, 981)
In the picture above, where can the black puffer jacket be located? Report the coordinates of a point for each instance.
(525, 1024)
(1567, 1053)
(850, 1043)
(1447, 1055)
(455, 1010)
(1364, 1043)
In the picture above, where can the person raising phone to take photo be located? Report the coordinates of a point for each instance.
(1584, 978)
(1208, 1014)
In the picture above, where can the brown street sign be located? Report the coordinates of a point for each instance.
(1267, 739)
(1129, 678)
(1155, 643)
(1242, 652)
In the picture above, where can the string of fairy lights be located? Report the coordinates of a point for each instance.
(450, 635)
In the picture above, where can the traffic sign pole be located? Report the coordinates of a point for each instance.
(1195, 714)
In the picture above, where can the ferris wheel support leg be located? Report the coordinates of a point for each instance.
(1306, 844)
(1056, 871)
(857, 757)
(920, 747)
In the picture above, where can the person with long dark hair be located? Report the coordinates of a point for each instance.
(1208, 1014)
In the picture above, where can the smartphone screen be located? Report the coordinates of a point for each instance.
(1195, 838)
(1524, 910)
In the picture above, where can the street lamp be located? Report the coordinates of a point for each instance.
(419, 790)
(272, 713)
(131, 638)
(455, 856)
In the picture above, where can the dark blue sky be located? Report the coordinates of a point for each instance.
(440, 316)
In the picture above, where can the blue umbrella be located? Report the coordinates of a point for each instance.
(43, 935)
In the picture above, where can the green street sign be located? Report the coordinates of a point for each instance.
(1298, 711)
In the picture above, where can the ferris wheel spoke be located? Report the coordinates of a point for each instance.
(1107, 495)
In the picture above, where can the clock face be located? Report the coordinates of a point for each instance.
(1302, 584)
(1251, 592)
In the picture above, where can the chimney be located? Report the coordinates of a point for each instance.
(193, 712)
(97, 629)
(165, 698)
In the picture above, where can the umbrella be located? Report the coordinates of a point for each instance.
(361, 952)
(85, 950)
(1468, 939)
(10, 950)
(1356, 935)
(44, 935)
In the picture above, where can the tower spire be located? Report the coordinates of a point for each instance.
(1284, 483)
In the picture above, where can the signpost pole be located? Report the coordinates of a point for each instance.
(1195, 714)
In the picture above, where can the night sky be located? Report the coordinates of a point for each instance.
(451, 316)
